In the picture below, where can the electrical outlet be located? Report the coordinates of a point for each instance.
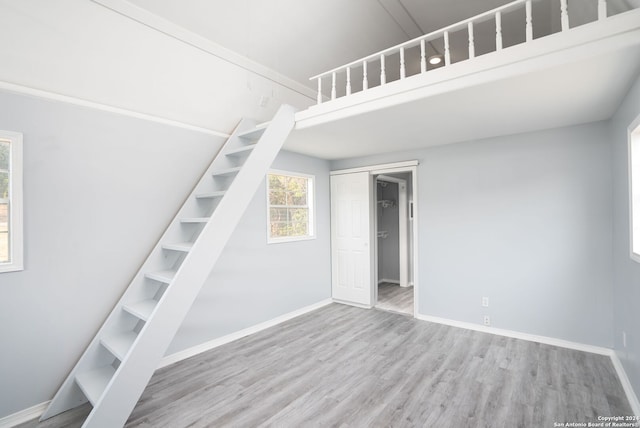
(624, 339)
(485, 302)
(487, 320)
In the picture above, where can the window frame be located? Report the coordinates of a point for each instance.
(311, 203)
(16, 245)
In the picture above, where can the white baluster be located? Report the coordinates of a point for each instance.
(498, 31)
(348, 91)
(564, 15)
(423, 57)
(383, 76)
(319, 90)
(333, 85)
(403, 71)
(365, 80)
(472, 47)
(602, 9)
(447, 53)
(529, 20)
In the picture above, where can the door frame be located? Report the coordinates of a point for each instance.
(403, 227)
(392, 168)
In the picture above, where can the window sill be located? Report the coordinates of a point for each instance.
(11, 267)
(289, 239)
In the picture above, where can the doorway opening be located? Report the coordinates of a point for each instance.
(393, 242)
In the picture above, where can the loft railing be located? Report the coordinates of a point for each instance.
(380, 58)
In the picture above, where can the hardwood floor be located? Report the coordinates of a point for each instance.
(392, 297)
(348, 367)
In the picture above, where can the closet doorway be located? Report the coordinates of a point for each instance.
(358, 274)
(393, 242)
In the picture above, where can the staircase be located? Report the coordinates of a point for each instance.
(118, 363)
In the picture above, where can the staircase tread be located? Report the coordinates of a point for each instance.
(162, 275)
(216, 194)
(240, 150)
(94, 382)
(120, 343)
(141, 309)
(179, 246)
(227, 171)
(254, 133)
(194, 219)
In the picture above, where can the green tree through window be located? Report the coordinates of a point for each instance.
(5, 151)
(290, 206)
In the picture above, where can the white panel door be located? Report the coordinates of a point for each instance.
(350, 238)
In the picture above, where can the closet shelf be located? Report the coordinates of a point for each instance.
(387, 203)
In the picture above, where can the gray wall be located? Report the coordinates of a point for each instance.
(254, 281)
(524, 220)
(626, 314)
(99, 190)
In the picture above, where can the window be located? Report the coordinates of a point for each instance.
(10, 201)
(634, 190)
(289, 206)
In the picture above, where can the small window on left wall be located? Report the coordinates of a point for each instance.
(11, 245)
(290, 207)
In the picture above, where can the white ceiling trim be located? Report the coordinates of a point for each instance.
(39, 93)
(151, 20)
(401, 16)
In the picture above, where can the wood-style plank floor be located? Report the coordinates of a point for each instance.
(348, 367)
(392, 297)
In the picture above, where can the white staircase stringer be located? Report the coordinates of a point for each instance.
(69, 395)
(113, 405)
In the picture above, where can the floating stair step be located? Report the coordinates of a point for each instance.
(142, 309)
(240, 150)
(211, 195)
(185, 247)
(226, 171)
(254, 133)
(94, 382)
(194, 220)
(165, 276)
(119, 344)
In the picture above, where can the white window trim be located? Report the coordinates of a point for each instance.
(312, 208)
(15, 196)
(633, 133)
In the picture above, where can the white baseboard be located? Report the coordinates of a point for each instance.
(626, 384)
(518, 335)
(24, 415)
(190, 352)
(37, 410)
(622, 375)
(357, 305)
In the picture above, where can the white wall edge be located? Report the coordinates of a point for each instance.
(207, 346)
(24, 415)
(151, 20)
(39, 93)
(519, 335)
(626, 384)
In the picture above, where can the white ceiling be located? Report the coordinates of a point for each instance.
(299, 38)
